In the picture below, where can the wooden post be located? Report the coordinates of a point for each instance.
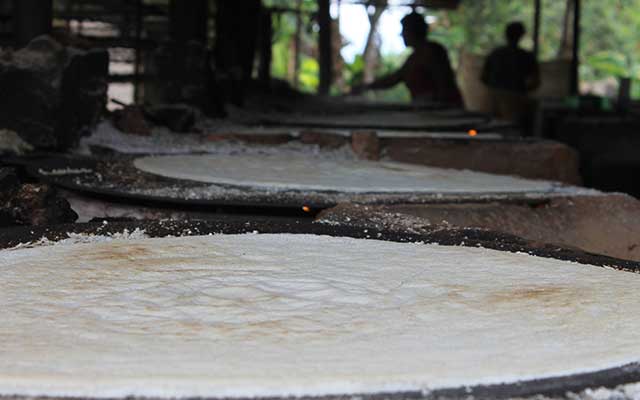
(237, 24)
(266, 36)
(188, 20)
(31, 18)
(575, 59)
(326, 59)
(296, 44)
(536, 28)
(137, 82)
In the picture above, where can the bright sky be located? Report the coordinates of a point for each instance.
(354, 26)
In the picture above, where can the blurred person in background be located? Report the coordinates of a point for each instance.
(511, 74)
(427, 72)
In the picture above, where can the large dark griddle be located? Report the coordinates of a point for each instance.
(351, 114)
(439, 121)
(116, 178)
(304, 103)
(557, 386)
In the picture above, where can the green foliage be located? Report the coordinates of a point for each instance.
(611, 41)
(309, 75)
(280, 59)
(609, 63)
(610, 45)
(284, 30)
(354, 71)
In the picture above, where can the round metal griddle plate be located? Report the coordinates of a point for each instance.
(117, 178)
(557, 386)
(402, 120)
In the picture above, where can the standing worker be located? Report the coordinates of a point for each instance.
(511, 73)
(427, 72)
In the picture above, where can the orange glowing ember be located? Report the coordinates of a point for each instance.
(473, 132)
(306, 208)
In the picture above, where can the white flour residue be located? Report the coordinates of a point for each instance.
(64, 171)
(164, 141)
(279, 315)
(78, 238)
(303, 172)
(622, 392)
(11, 142)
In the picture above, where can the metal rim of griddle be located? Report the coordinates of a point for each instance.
(484, 124)
(312, 200)
(337, 104)
(447, 116)
(554, 386)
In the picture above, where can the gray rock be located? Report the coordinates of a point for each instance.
(52, 95)
(35, 204)
(177, 117)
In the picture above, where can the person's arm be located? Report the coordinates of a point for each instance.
(387, 81)
(384, 82)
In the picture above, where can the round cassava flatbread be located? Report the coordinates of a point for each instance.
(297, 172)
(284, 314)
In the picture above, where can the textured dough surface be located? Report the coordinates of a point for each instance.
(258, 314)
(313, 173)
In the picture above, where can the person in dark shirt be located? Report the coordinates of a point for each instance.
(427, 72)
(511, 73)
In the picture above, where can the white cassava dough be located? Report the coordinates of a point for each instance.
(268, 315)
(305, 172)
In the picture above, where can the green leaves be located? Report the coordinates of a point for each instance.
(309, 74)
(610, 42)
(610, 63)
(610, 45)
